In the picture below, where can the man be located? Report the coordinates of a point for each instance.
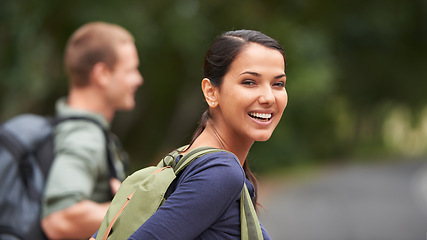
(102, 63)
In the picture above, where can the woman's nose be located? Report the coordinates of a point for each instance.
(266, 96)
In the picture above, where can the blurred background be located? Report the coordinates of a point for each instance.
(356, 77)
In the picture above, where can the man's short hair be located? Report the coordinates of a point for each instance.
(90, 44)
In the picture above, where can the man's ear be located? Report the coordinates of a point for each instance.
(100, 74)
(210, 92)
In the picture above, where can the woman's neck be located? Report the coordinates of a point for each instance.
(213, 137)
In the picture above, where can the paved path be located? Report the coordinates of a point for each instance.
(363, 202)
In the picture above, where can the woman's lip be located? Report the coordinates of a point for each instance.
(263, 122)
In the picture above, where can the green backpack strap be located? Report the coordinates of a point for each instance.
(170, 159)
(250, 227)
(192, 155)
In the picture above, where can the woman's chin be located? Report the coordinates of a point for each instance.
(262, 138)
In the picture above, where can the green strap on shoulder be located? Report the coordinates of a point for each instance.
(250, 227)
(169, 160)
(193, 154)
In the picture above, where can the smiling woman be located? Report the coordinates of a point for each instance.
(244, 86)
(251, 98)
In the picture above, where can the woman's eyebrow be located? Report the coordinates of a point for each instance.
(251, 73)
(259, 75)
(280, 76)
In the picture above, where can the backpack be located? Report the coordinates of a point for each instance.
(26, 154)
(143, 192)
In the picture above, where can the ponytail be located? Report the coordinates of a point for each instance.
(254, 182)
(201, 127)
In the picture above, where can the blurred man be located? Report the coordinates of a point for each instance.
(102, 63)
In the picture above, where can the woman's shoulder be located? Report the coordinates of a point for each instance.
(219, 167)
(220, 159)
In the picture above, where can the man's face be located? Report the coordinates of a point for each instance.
(125, 78)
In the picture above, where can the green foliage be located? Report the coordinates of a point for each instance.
(351, 66)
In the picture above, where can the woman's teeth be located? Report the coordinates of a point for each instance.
(262, 116)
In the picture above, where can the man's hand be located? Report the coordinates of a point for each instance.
(115, 185)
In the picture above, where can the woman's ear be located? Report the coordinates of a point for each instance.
(210, 92)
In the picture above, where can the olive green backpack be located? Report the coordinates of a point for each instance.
(143, 192)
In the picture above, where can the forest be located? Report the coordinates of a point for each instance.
(356, 72)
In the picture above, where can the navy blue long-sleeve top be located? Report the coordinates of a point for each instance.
(205, 203)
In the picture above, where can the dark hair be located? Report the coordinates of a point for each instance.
(217, 62)
(227, 46)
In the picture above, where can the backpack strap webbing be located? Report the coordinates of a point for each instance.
(250, 227)
(192, 155)
(19, 151)
(16, 148)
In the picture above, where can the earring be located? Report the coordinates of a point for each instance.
(213, 104)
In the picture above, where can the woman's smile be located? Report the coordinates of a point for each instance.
(252, 97)
(264, 117)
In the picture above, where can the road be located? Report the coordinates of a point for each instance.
(358, 202)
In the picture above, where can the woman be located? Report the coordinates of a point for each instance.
(244, 86)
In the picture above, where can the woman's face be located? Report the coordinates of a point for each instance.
(252, 97)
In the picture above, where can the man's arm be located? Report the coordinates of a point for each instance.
(79, 221)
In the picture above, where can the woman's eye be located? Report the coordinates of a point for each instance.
(279, 84)
(248, 82)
